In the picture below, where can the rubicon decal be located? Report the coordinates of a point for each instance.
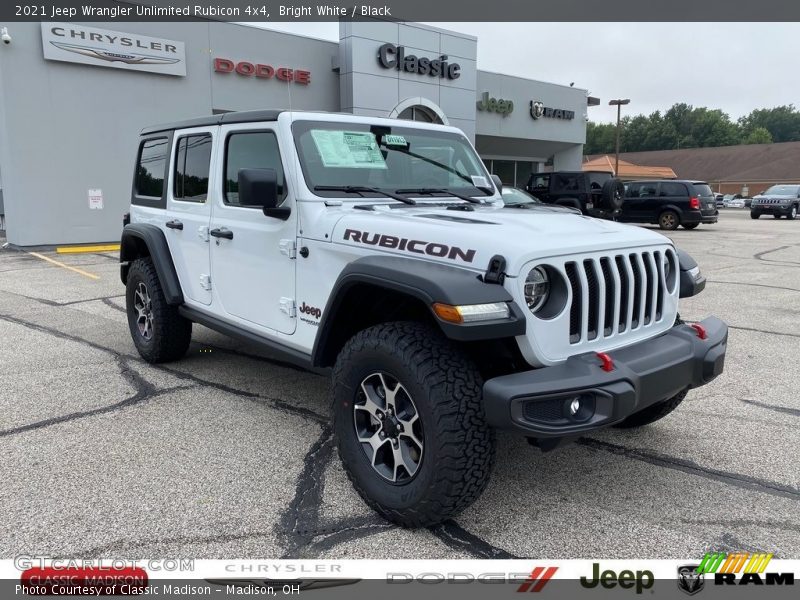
(742, 568)
(537, 579)
(408, 245)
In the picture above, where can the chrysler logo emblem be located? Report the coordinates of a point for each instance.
(127, 58)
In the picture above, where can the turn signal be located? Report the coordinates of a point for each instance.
(470, 313)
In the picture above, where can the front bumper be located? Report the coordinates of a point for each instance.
(537, 403)
(771, 209)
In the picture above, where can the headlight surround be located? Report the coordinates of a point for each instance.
(537, 288)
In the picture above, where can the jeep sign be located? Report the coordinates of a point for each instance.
(89, 45)
(498, 105)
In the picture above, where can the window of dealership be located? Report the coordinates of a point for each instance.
(377, 69)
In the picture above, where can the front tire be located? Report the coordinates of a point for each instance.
(792, 214)
(754, 215)
(159, 333)
(690, 225)
(409, 423)
(653, 413)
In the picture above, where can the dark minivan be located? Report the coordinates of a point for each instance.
(669, 203)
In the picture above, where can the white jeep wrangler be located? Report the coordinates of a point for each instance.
(380, 250)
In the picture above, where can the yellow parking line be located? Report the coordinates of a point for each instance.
(60, 264)
(81, 249)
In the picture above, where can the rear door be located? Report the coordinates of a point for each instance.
(640, 201)
(189, 210)
(671, 193)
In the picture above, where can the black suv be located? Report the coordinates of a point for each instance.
(779, 201)
(594, 193)
(669, 203)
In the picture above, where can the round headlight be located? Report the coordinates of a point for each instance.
(537, 288)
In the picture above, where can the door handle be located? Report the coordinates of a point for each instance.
(174, 224)
(222, 233)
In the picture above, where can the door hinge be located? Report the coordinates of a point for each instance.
(288, 307)
(289, 248)
(205, 281)
(202, 233)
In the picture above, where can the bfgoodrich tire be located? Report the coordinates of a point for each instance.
(653, 413)
(159, 333)
(409, 423)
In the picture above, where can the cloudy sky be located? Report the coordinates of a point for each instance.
(733, 66)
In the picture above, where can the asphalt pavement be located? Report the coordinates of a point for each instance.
(226, 454)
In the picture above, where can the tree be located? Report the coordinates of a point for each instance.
(782, 122)
(758, 135)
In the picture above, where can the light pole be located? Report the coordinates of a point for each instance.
(618, 104)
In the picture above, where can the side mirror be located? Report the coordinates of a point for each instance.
(259, 187)
(497, 183)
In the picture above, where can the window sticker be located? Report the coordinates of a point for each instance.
(479, 181)
(348, 149)
(393, 140)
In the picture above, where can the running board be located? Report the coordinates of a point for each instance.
(277, 352)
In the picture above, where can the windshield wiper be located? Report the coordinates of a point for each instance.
(431, 191)
(360, 189)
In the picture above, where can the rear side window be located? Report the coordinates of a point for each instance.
(192, 164)
(641, 190)
(670, 188)
(151, 167)
(540, 181)
(568, 182)
(703, 189)
(250, 150)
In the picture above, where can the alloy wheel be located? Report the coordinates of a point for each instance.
(144, 311)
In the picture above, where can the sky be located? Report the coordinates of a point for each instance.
(736, 67)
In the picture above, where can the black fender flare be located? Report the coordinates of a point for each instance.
(145, 239)
(689, 285)
(669, 207)
(427, 282)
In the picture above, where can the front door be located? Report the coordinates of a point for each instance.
(189, 211)
(252, 268)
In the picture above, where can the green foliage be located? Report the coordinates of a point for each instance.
(684, 126)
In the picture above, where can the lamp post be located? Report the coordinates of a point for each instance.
(618, 104)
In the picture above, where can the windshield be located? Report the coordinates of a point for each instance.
(386, 158)
(783, 190)
(516, 196)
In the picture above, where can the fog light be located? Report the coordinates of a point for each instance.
(574, 406)
(578, 409)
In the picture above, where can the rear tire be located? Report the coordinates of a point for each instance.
(776, 216)
(669, 220)
(613, 194)
(754, 215)
(653, 413)
(792, 214)
(690, 225)
(159, 333)
(409, 383)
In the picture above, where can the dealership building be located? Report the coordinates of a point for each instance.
(74, 96)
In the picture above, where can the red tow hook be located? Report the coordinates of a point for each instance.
(608, 364)
(701, 331)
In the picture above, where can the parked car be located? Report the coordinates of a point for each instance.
(594, 193)
(669, 203)
(748, 202)
(736, 203)
(514, 197)
(719, 200)
(779, 201)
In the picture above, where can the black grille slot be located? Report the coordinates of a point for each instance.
(662, 284)
(544, 410)
(575, 307)
(608, 277)
(624, 292)
(594, 297)
(649, 278)
(637, 290)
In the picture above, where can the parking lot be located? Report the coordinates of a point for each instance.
(227, 454)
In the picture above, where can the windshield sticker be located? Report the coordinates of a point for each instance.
(393, 140)
(479, 181)
(348, 149)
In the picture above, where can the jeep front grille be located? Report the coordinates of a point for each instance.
(619, 293)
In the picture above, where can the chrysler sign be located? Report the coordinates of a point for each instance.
(68, 42)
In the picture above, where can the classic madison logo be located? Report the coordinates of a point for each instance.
(127, 58)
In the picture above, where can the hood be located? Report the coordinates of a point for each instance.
(471, 238)
(776, 196)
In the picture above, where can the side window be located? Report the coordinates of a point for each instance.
(192, 164)
(568, 183)
(669, 188)
(634, 190)
(151, 166)
(648, 189)
(540, 181)
(250, 150)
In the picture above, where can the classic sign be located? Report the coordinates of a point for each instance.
(394, 57)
